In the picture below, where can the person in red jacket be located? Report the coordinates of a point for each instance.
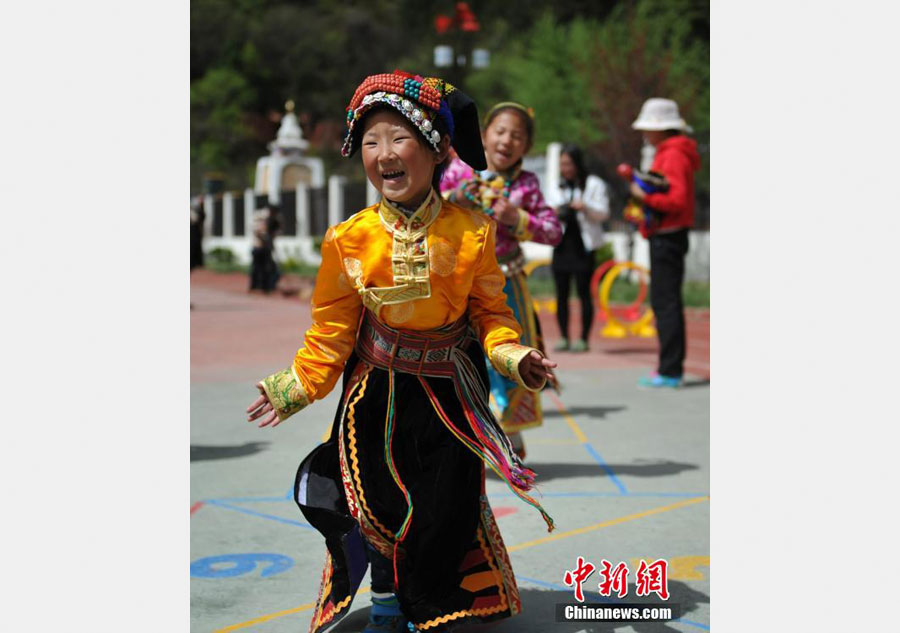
(676, 159)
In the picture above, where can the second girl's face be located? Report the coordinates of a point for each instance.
(567, 168)
(397, 162)
(505, 141)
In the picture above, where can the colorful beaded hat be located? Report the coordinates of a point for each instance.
(421, 100)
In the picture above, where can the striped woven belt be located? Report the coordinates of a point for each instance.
(512, 265)
(426, 353)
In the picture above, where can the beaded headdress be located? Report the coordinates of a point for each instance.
(421, 100)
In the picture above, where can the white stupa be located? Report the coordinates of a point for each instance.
(285, 167)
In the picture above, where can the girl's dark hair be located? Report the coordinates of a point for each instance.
(441, 127)
(527, 121)
(574, 152)
(438, 124)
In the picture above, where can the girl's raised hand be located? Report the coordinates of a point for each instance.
(262, 408)
(535, 369)
(505, 211)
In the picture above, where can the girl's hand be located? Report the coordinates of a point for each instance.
(262, 408)
(535, 369)
(578, 205)
(505, 211)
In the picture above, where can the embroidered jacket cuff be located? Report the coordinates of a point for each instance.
(285, 393)
(521, 230)
(506, 359)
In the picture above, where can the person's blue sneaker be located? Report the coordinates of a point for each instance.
(387, 624)
(385, 617)
(658, 381)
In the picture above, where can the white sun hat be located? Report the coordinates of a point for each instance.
(659, 114)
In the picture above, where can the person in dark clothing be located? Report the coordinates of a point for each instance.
(677, 160)
(197, 219)
(582, 205)
(264, 273)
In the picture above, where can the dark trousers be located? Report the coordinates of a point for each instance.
(667, 252)
(263, 270)
(382, 571)
(563, 281)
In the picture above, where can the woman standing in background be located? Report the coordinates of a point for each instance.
(582, 205)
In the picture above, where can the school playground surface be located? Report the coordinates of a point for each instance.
(624, 472)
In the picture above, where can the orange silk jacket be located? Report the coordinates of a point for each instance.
(417, 273)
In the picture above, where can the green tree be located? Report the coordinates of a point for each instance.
(219, 130)
(587, 78)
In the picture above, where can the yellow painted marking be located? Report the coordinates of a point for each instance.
(516, 548)
(680, 567)
(277, 614)
(569, 419)
(555, 537)
(597, 526)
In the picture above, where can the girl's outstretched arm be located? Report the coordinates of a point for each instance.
(336, 307)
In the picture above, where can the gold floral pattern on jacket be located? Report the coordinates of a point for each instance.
(506, 359)
(285, 393)
(442, 257)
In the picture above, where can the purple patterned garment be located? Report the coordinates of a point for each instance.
(524, 192)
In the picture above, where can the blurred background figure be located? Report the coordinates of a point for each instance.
(264, 271)
(676, 159)
(582, 203)
(197, 218)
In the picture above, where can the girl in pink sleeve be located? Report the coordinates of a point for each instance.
(512, 198)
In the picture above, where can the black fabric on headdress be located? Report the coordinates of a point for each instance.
(467, 133)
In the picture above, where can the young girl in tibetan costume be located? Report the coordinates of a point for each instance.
(407, 302)
(512, 198)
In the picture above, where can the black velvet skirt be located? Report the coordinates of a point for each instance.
(408, 486)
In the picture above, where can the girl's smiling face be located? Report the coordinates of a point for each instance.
(505, 141)
(397, 160)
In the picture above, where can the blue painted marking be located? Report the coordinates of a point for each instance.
(260, 514)
(242, 564)
(592, 598)
(290, 495)
(692, 623)
(605, 466)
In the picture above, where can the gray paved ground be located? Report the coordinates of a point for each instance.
(631, 465)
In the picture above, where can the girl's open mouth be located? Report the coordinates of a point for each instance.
(392, 175)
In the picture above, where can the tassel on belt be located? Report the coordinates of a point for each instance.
(441, 353)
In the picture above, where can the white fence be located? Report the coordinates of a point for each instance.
(301, 246)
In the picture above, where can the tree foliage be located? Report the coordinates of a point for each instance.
(584, 66)
(587, 79)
